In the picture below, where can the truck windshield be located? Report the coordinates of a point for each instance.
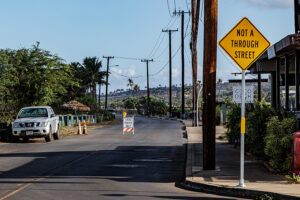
(33, 112)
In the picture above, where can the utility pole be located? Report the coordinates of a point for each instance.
(170, 68)
(182, 57)
(297, 15)
(107, 71)
(148, 92)
(195, 21)
(209, 83)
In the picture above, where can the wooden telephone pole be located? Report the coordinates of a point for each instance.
(148, 92)
(107, 71)
(195, 21)
(209, 83)
(182, 57)
(170, 69)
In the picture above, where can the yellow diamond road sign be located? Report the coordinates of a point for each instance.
(244, 44)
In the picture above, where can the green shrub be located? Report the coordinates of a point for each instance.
(131, 103)
(158, 107)
(278, 141)
(218, 115)
(256, 128)
(234, 124)
(88, 100)
(106, 115)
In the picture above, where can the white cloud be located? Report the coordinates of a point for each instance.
(272, 3)
(131, 71)
(175, 73)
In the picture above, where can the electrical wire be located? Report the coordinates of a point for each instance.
(189, 59)
(158, 41)
(138, 76)
(169, 8)
(187, 7)
(187, 26)
(175, 4)
(166, 63)
(127, 58)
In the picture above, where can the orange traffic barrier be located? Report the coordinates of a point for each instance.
(82, 123)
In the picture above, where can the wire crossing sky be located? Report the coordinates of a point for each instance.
(131, 30)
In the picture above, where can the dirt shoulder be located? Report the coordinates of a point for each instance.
(67, 131)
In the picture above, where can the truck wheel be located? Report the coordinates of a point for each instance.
(56, 135)
(48, 138)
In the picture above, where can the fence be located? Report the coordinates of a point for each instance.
(70, 120)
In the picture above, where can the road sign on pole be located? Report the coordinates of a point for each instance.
(244, 44)
(237, 94)
(128, 125)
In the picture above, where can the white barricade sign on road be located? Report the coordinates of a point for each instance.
(128, 125)
(237, 94)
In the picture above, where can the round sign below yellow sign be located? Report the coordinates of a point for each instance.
(124, 114)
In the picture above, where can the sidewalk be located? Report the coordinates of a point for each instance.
(225, 178)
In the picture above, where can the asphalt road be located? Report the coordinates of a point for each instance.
(102, 165)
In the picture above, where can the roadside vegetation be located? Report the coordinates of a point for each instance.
(33, 76)
(269, 133)
(36, 77)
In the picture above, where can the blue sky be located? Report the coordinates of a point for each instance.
(74, 29)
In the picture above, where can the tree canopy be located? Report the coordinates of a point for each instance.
(33, 77)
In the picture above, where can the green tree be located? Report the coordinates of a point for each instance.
(33, 77)
(136, 88)
(92, 66)
(130, 84)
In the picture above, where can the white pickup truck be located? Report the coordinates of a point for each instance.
(36, 121)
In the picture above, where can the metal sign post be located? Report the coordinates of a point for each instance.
(244, 44)
(243, 130)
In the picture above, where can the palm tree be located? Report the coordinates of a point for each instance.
(130, 84)
(92, 66)
(136, 88)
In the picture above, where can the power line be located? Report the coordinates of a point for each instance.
(175, 4)
(127, 58)
(161, 69)
(153, 52)
(189, 59)
(163, 51)
(157, 41)
(169, 8)
(187, 7)
(187, 26)
(139, 76)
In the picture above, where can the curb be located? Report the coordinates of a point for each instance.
(228, 191)
(234, 192)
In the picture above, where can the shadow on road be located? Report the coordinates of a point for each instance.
(162, 164)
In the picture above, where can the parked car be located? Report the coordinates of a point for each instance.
(36, 122)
